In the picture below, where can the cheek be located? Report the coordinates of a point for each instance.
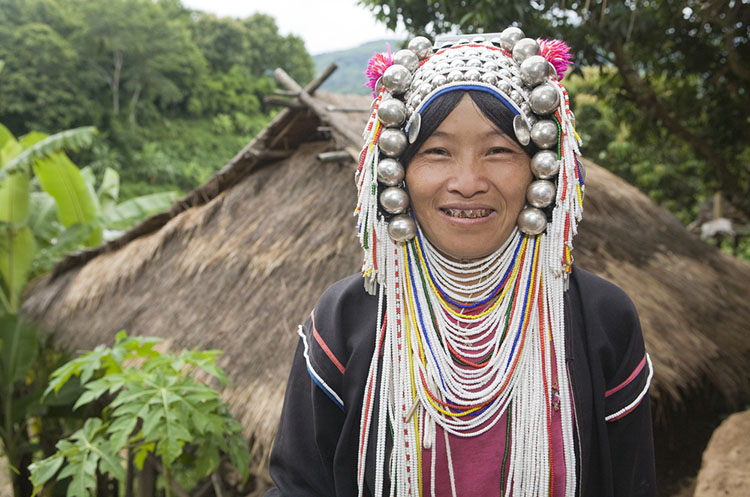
(419, 186)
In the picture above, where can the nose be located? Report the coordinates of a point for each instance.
(468, 178)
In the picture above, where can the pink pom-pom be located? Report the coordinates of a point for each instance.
(558, 53)
(376, 67)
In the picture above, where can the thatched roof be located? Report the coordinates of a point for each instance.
(242, 260)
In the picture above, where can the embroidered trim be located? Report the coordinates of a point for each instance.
(314, 375)
(630, 378)
(628, 408)
(324, 346)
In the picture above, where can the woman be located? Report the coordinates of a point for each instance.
(470, 357)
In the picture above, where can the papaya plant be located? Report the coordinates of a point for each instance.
(154, 407)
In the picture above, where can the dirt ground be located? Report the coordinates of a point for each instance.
(725, 471)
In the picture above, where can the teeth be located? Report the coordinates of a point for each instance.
(469, 213)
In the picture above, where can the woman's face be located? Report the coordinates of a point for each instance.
(467, 184)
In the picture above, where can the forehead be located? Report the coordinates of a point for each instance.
(467, 118)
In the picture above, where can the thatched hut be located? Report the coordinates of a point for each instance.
(240, 261)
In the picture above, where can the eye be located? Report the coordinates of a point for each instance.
(436, 151)
(500, 150)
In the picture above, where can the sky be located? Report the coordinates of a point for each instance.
(324, 25)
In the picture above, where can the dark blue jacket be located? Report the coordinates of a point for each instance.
(315, 452)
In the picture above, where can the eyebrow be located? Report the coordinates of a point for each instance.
(443, 134)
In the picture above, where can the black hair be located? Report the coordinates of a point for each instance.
(495, 110)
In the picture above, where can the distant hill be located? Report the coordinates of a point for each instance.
(350, 75)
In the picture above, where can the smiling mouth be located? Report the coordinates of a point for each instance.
(468, 213)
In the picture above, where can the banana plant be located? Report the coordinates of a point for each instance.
(49, 207)
(42, 158)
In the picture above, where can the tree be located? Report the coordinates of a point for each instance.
(135, 48)
(39, 88)
(680, 64)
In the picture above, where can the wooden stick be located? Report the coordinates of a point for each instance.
(286, 80)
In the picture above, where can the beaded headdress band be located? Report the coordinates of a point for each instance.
(521, 72)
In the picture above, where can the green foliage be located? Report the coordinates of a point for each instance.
(40, 88)
(67, 212)
(156, 407)
(181, 154)
(660, 165)
(25, 359)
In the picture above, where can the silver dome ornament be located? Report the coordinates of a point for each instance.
(544, 99)
(439, 80)
(394, 200)
(541, 193)
(544, 133)
(544, 164)
(489, 78)
(406, 58)
(509, 37)
(392, 112)
(532, 221)
(421, 46)
(516, 96)
(402, 228)
(522, 131)
(390, 172)
(525, 48)
(478, 39)
(534, 70)
(503, 86)
(473, 75)
(396, 78)
(378, 85)
(415, 124)
(392, 142)
(455, 75)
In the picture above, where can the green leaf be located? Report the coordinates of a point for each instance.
(72, 139)
(239, 454)
(9, 146)
(109, 190)
(14, 198)
(42, 471)
(126, 214)
(18, 349)
(17, 250)
(120, 431)
(59, 177)
(32, 138)
(85, 398)
(43, 218)
(88, 176)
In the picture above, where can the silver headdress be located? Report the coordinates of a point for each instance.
(521, 72)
